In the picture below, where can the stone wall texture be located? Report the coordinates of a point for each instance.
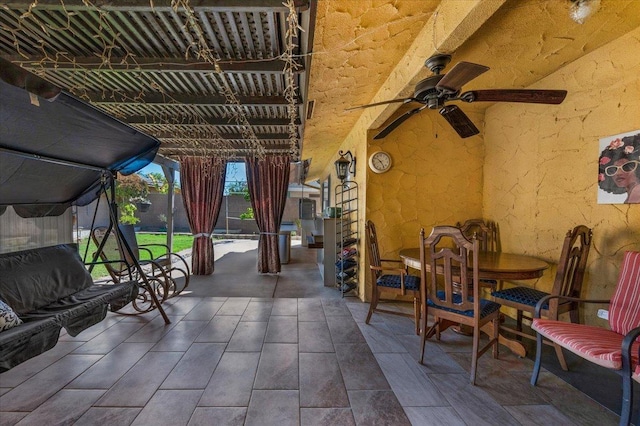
(533, 170)
(541, 166)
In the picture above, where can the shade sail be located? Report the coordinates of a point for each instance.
(54, 148)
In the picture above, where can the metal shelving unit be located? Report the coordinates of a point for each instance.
(347, 238)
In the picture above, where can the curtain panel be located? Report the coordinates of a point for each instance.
(202, 181)
(268, 182)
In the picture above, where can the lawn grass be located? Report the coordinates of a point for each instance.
(180, 242)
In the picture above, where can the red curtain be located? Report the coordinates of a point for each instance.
(202, 181)
(268, 182)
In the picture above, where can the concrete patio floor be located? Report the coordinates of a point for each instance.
(277, 349)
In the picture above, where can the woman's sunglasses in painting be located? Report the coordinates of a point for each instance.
(627, 167)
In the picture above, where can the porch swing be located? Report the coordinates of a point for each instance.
(57, 151)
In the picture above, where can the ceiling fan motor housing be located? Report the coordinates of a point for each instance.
(426, 91)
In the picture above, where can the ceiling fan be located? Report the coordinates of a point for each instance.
(435, 91)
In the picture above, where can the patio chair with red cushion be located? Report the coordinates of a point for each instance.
(618, 348)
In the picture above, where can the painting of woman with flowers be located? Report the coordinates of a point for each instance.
(619, 169)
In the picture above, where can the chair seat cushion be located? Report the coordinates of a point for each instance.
(487, 307)
(411, 282)
(595, 344)
(523, 295)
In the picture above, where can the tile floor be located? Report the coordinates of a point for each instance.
(305, 359)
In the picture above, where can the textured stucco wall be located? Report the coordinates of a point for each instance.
(521, 43)
(436, 179)
(541, 165)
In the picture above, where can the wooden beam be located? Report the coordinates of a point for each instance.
(116, 98)
(225, 136)
(205, 121)
(166, 162)
(163, 5)
(177, 146)
(157, 65)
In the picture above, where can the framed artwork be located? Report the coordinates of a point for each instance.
(619, 169)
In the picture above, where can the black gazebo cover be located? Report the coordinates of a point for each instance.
(55, 148)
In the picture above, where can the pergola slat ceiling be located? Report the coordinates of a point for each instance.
(149, 64)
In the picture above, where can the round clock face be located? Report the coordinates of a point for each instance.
(380, 162)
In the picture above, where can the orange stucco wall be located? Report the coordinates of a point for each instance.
(436, 179)
(533, 169)
(540, 171)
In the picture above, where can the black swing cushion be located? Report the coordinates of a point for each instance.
(49, 288)
(34, 278)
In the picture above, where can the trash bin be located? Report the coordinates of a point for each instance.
(284, 246)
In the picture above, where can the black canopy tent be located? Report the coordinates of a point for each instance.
(56, 150)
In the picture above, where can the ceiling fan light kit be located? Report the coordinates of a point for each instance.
(580, 10)
(436, 91)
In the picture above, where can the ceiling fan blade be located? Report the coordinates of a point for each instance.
(460, 74)
(553, 97)
(459, 121)
(398, 121)
(403, 100)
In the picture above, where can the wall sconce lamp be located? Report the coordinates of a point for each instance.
(344, 166)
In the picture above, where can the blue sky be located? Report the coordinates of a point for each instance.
(235, 171)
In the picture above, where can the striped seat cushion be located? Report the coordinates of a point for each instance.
(595, 344)
(487, 307)
(523, 295)
(411, 282)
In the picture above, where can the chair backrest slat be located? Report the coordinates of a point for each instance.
(374, 249)
(453, 268)
(624, 310)
(486, 232)
(573, 262)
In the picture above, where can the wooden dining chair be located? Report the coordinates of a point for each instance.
(388, 279)
(451, 290)
(486, 232)
(568, 282)
(616, 347)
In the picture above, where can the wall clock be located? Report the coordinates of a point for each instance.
(380, 162)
